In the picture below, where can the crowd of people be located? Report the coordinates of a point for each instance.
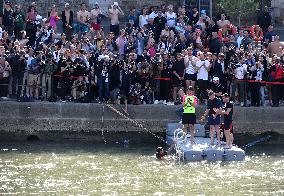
(161, 50)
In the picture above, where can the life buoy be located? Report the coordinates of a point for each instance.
(223, 32)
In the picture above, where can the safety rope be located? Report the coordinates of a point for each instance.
(135, 122)
(103, 114)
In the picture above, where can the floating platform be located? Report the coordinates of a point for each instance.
(201, 150)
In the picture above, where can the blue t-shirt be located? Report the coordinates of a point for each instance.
(215, 103)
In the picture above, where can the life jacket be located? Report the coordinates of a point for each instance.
(278, 73)
(188, 108)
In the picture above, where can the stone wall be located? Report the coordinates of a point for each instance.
(94, 122)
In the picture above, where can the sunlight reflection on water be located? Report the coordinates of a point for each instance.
(83, 169)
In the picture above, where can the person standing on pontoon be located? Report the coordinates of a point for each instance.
(213, 110)
(189, 117)
(228, 120)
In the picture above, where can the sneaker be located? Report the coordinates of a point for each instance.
(156, 101)
(165, 102)
(242, 104)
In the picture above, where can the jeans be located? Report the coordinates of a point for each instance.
(15, 85)
(125, 84)
(262, 95)
(157, 91)
(103, 87)
(241, 90)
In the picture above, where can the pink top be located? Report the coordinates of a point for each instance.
(52, 21)
(152, 52)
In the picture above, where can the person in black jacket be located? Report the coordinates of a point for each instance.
(67, 21)
(18, 65)
(215, 44)
(159, 23)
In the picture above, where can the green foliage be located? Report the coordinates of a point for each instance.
(239, 9)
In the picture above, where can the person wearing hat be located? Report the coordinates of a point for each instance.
(227, 112)
(114, 13)
(212, 112)
(67, 17)
(7, 18)
(217, 88)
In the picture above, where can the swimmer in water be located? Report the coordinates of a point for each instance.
(161, 153)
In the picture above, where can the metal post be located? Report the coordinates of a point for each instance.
(261, 6)
(211, 5)
(199, 7)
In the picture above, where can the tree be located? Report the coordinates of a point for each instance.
(238, 9)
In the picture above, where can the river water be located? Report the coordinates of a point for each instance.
(86, 169)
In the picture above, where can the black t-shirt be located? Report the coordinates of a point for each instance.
(167, 70)
(228, 117)
(215, 103)
(160, 22)
(217, 88)
(179, 67)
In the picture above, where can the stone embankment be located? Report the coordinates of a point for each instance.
(96, 122)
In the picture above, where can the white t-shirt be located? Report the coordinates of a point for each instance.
(202, 74)
(171, 19)
(153, 15)
(190, 69)
(239, 41)
(143, 20)
(241, 71)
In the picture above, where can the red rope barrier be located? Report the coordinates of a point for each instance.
(262, 82)
(166, 79)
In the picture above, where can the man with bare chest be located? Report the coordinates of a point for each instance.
(83, 17)
(95, 15)
(114, 13)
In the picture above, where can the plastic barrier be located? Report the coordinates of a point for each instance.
(214, 154)
(234, 154)
(193, 155)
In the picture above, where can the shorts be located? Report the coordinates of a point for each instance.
(188, 119)
(178, 83)
(96, 26)
(192, 77)
(214, 121)
(228, 125)
(33, 80)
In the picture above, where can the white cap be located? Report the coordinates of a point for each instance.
(215, 79)
(67, 4)
(115, 3)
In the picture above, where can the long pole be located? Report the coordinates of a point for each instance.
(199, 7)
(211, 9)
